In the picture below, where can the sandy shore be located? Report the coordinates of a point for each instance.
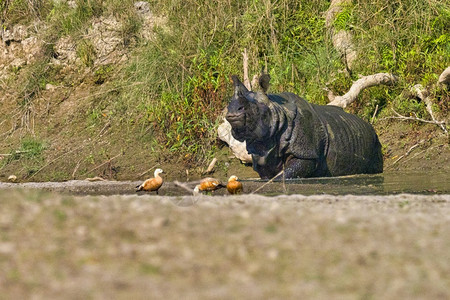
(56, 245)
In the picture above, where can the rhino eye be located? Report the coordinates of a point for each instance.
(241, 108)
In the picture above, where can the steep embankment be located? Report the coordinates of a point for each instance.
(52, 125)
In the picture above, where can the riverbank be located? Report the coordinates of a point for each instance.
(102, 88)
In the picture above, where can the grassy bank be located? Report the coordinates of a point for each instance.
(159, 100)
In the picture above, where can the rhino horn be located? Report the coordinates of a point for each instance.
(239, 87)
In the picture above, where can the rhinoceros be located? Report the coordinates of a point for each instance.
(284, 132)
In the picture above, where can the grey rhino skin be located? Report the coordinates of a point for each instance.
(285, 132)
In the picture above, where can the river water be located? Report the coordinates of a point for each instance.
(380, 184)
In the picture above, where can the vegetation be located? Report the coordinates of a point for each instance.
(173, 87)
(29, 154)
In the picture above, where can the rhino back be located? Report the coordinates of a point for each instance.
(352, 144)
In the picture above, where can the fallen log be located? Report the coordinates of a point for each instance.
(358, 86)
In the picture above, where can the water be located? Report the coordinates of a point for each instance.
(380, 184)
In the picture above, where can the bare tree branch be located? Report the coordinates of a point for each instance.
(184, 186)
(211, 166)
(255, 83)
(270, 181)
(422, 93)
(239, 149)
(359, 85)
(102, 164)
(405, 118)
(245, 66)
(374, 114)
(409, 151)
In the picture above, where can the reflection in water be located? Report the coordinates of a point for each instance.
(417, 182)
(387, 183)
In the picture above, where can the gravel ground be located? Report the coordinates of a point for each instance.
(223, 247)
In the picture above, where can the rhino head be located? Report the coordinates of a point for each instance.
(248, 113)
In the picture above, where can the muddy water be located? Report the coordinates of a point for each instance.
(381, 184)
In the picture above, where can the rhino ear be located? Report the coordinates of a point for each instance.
(239, 87)
(264, 82)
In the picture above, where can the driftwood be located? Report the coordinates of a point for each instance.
(358, 86)
(184, 186)
(386, 78)
(239, 149)
(211, 166)
(102, 164)
(374, 114)
(422, 93)
(96, 178)
(444, 78)
(146, 171)
(76, 169)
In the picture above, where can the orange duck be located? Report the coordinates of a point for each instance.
(208, 185)
(234, 186)
(152, 184)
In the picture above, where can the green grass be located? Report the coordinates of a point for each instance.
(32, 147)
(29, 154)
